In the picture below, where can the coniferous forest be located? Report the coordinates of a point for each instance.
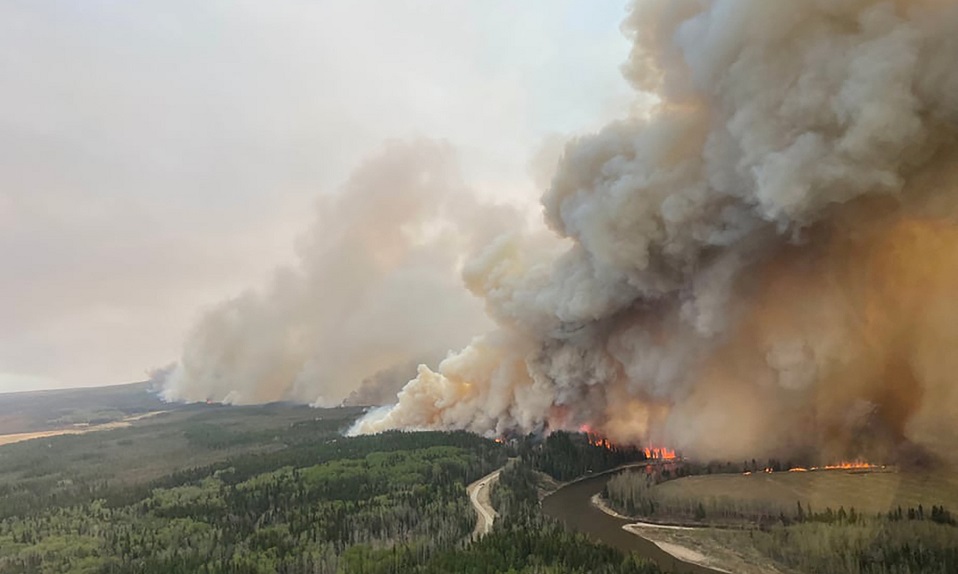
(279, 489)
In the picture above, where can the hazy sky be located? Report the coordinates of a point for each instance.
(157, 157)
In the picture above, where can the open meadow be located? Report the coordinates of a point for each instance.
(865, 491)
(841, 521)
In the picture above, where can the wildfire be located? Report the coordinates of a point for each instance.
(599, 440)
(844, 465)
(651, 452)
(853, 465)
(594, 438)
(654, 453)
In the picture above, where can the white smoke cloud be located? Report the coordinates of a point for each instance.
(376, 286)
(159, 155)
(718, 278)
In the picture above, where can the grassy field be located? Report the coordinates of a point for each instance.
(870, 492)
(840, 521)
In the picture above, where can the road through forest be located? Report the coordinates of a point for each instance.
(479, 496)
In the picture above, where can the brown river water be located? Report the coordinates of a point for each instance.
(572, 505)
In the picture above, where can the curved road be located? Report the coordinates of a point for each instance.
(479, 496)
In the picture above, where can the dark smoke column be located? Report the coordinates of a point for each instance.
(733, 276)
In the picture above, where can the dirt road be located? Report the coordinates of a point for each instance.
(479, 496)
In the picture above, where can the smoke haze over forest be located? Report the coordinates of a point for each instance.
(761, 261)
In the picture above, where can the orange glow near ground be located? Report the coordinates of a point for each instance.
(844, 465)
(599, 440)
(655, 453)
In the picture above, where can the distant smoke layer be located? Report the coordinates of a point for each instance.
(381, 388)
(376, 287)
(766, 263)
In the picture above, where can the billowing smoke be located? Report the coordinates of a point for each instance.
(380, 388)
(767, 261)
(377, 286)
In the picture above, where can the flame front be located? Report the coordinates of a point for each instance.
(599, 440)
(656, 453)
(844, 465)
(849, 465)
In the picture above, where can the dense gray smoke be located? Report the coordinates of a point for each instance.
(380, 388)
(377, 286)
(765, 262)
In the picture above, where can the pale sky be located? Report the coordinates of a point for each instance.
(157, 157)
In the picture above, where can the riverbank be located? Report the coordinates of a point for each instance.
(572, 506)
(691, 544)
(647, 531)
(549, 486)
(677, 550)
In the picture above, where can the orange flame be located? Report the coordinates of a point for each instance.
(850, 465)
(654, 453)
(844, 465)
(599, 440)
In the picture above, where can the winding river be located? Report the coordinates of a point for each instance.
(572, 505)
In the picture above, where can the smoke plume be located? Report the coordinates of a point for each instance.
(766, 262)
(376, 287)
